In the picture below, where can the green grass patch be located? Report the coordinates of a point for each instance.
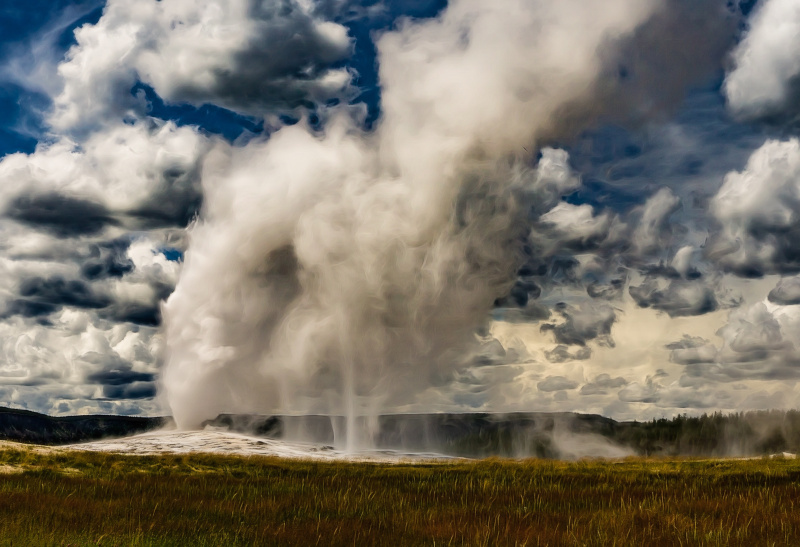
(83, 498)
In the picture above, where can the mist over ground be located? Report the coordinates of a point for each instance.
(365, 208)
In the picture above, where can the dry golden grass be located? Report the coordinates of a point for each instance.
(74, 498)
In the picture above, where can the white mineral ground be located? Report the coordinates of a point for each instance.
(217, 441)
(214, 441)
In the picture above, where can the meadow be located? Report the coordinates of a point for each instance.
(82, 498)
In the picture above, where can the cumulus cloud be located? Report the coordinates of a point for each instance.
(492, 352)
(576, 228)
(142, 175)
(556, 383)
(76, 361)
(553, 179)
(765, 80)
(654, 230)
(757, 344)
(583, 323)
(786, 292)
(130, 291)
(678, 298)
(609, 291)
(602, 384)
(247, 55)
(691, 350)
(758, 209)
(61, 215)
(561, 354)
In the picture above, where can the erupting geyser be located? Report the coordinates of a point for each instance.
(344, 272)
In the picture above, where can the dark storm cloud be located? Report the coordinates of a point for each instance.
(108, 259)
(137, 390)
(610, 291)
(173, 203)
(786, 292)
(41, 296)
(746, 258)
(521, 293)
(63, 216)
(583, 324)
(602, 384)
(119, 377)
(564, 269)
(678, 299)
(669, 272)
(28, 308)
(146, 312)
(58, 292)
(119, 380)
(561, 354)
(148, 315)
(531, 313)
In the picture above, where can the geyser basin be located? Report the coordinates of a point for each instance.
(468, 435)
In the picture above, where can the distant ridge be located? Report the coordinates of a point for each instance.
(522, 434)
(31, 427)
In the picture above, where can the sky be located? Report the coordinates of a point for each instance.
(333, 206)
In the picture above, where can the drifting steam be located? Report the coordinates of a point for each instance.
(337, 271)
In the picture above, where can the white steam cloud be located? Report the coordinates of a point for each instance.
(340, 272)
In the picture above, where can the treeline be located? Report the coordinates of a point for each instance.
(738, 434)
(475, 435)
(32, 427)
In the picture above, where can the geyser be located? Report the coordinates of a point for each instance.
(339, 271)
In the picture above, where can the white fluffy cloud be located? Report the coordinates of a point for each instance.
(757, 343)
(759, 211)
(654, 230)
(140, 175)
(77, 363)
(765, 81)
(245, 55)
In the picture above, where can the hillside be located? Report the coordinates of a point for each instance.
(32, 427)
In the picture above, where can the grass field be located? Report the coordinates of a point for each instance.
(73, 498)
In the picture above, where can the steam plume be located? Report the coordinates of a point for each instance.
(339, 271)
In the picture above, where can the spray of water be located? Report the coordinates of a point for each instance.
(344, 272)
